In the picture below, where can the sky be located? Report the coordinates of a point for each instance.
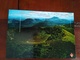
(24, 14)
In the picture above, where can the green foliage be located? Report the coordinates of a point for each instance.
(58, 43)
(58, 49)
(69, 27)
(15, 49)
(55, 32)
(41, 36)
(68, 37)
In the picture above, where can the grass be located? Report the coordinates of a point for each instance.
(68, 37)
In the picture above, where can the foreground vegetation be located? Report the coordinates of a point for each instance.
(49, 42)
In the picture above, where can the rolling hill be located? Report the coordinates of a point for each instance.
(69, 37)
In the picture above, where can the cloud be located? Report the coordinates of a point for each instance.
(39, 14)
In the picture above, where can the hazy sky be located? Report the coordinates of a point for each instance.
(23, 14)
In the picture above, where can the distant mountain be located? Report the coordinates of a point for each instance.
(56, 20)
(30, 22)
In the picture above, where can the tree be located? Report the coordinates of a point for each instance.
(58, 49)
(56, 32)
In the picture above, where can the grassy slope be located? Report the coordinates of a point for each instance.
(68, 37)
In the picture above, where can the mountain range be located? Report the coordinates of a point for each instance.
(30, 22)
